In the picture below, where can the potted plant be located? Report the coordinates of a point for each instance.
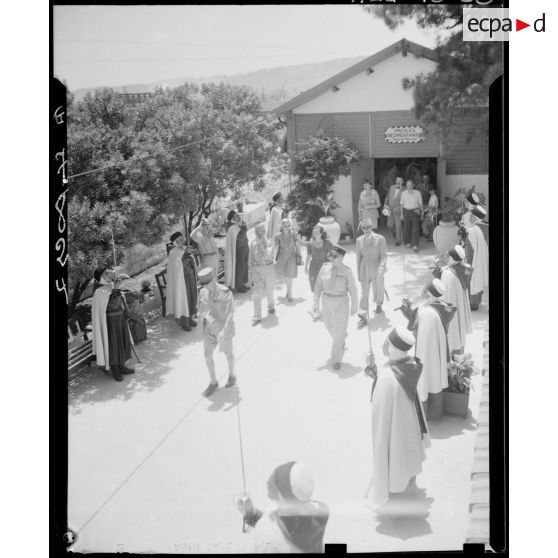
(328, 222)
(446, 234)
(456, 396)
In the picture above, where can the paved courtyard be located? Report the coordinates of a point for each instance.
(154, 466)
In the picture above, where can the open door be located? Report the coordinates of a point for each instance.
(359, 172)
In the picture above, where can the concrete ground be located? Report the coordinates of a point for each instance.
(154, 466)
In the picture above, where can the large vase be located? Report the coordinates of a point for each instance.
(332, 228)
(445, 236)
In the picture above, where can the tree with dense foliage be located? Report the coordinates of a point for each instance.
(459, 85)
(182, 149)
(319, 162)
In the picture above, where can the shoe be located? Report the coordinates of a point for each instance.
(125, 370)
(336, 365)
(210, 389)
(116, 374)
(271, 310)
(231, 382)
(415, 248)
(378, 309)
(256, 321)
(241, 290)
(398, 243)
(192, 322)
(289, 299)
(475, 307)
(186, 327)
(363, 319)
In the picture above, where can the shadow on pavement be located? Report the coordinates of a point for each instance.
(346, 371)
(405, 516)
(294, 301)
(224, 399)
(379, 322)
(449, 426)
(269, 321)
(91, 385)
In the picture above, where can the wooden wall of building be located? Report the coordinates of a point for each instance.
(467, 152)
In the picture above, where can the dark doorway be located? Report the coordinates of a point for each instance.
(409, 168)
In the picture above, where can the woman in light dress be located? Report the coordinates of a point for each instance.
(368, 204)
(286, 250)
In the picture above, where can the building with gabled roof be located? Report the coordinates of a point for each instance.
(368, 105)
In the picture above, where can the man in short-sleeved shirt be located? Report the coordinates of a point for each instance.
(411, 201)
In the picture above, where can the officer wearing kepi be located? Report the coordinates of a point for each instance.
(336, 283)
(216, 311)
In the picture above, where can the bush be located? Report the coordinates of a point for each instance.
(319, 162)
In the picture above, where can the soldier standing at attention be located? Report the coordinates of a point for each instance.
(216, 311)
(336, 283)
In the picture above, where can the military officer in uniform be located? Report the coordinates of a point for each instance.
(216, 311)
(334, 285)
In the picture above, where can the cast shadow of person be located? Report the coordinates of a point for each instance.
(451, 426)
(405, 515)
(158, 353)
(379, 322)
(346, 371)
(271, 320)
(224, 399)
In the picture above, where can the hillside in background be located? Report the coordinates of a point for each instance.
(275, 85)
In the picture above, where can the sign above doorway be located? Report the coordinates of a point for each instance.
(404, 134)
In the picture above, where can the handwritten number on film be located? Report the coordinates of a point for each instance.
(60, 245)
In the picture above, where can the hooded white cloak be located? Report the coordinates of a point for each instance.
(397, 441)
(431, 349)
(274, 223)
(177, 298)
(461, 324)
(99, 325)
(479, 279)
(230, 255)
(99, 329)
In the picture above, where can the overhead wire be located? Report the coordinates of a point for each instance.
(143, 157)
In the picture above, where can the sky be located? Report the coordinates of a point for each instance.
(121, 45)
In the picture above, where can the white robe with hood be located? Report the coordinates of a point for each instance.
(461, 324)
(230, 255)
(177, 298)
(431, 349)
(479, 279)
(397, 441)
(99, 330)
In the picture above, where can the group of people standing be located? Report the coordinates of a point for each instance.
(410, 210)
(415, 369)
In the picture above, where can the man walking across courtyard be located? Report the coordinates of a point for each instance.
(336, 283)
(262, 272)
(393, 203)
(216, 311)
(411, 201)
(371, 257)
